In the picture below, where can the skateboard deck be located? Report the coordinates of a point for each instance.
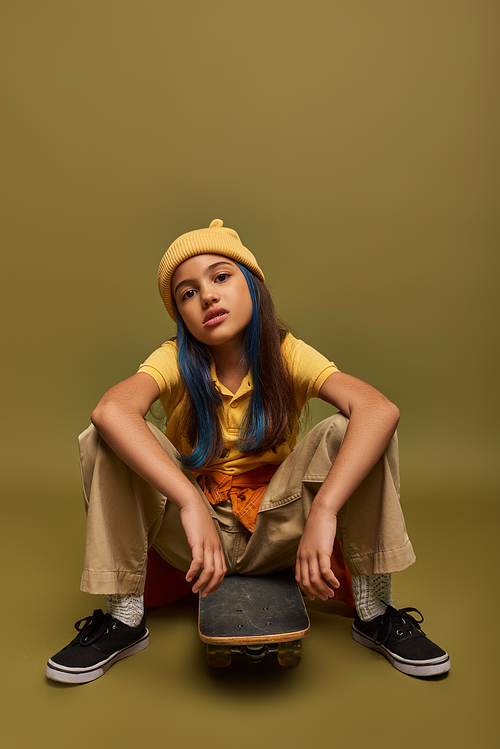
(253, 616)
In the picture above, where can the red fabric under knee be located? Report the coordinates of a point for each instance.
(166, 584)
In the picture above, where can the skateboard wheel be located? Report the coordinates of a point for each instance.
(289, 653)
(218, 656)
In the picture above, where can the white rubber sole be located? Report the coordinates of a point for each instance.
(67, 675)
(431, 667)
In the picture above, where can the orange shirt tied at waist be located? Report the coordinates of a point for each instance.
(245, 491)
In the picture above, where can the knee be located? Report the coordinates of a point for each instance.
(88, 431)
(330, 433)
(336, 429)
(339, 421)
(335, 426)
(165, 443)
(89, 436)
(155, 431)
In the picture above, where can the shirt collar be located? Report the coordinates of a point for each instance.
(245, 387)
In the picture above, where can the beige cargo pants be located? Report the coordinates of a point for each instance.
(126, 516)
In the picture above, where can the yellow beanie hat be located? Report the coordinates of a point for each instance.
(215, 240)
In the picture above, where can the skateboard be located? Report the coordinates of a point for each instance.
(254, 616)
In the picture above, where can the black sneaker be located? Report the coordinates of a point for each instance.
(397, 635)
(100, 642)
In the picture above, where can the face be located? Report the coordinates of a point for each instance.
(213, 299)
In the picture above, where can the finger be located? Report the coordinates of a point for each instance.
(302, 577)
(306, 582)
(321, 587)
(215, 578)
(298, 577)
(331, 581)
(218, 575)
(205, 577)
(195, 565)
(327, 572)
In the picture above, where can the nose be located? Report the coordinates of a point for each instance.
(209, 294)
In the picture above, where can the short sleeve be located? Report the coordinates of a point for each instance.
(163, 367)
(309, 369)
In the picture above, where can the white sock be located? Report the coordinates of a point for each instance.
(371, 593)
(127, 608)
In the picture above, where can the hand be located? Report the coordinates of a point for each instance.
(313, 570)
(205, 546)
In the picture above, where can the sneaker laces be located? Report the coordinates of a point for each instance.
(400, 620)
(92, 628)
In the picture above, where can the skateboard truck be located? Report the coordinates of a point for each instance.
(254, 616)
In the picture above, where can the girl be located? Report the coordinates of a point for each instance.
(226, 490)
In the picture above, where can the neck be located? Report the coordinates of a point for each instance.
(229, 360)
(230, 364)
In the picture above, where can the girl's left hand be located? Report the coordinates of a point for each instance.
(313, 570)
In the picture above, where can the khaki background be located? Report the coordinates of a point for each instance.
(353, 146)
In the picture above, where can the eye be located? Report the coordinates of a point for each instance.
(188, 294)
(221, 277)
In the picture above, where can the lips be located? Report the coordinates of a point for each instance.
(215, 316)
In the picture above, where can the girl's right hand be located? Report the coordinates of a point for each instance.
(119, 419)
(206, 548)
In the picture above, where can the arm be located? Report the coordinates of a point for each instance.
(119, 419)
(372, 423)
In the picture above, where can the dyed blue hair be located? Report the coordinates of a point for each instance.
(253, 427)
(194, 364)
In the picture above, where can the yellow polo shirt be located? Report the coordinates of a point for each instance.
(309, 370)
